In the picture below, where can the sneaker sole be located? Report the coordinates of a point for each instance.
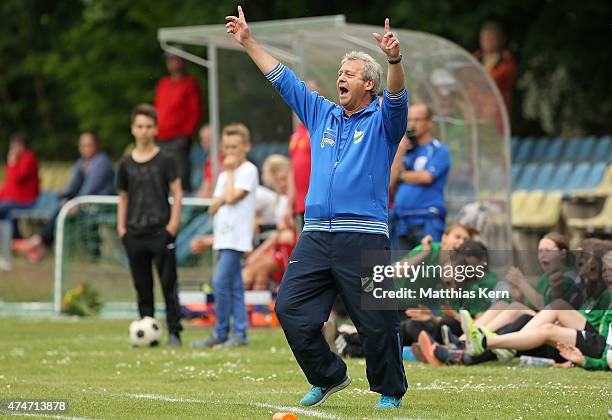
(347, 381)
(428, 349)
(466, 322)
(503, 355)
(445, 339)
(418, 353)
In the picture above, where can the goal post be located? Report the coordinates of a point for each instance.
(87, 246)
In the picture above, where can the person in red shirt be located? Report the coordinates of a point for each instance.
(21, 184)
(206, 188)
(299, 176)
(178, 105)
(498, 61)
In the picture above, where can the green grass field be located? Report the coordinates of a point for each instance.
(89, 363)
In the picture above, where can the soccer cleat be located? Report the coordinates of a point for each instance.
(468, 327)
(418, 353)
(450, 356)
(209, 342)
(317, 395)
(466, 321)
(504, 355)
(474, 341)
(174, 340)
(428, 347)
(446, 336)
(387, 401)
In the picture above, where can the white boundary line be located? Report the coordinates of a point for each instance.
(298, 410)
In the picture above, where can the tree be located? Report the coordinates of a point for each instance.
(71, 65)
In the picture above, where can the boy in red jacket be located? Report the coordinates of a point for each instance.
(178, 105)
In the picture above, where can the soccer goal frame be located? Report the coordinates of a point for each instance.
(60, 223)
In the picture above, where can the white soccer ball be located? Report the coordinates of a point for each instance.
(145, 332)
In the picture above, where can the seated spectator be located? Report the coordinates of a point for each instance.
(431, 253)
(268, 205)
(196, 237)
(559, 281)
(425, 318)
(557, 322)
(273, 201)
(575, 355)
(206, 187)
(562, 325)
(21, 184)
(92, 174)
(270, 259)
(422, 318)
(475, 254)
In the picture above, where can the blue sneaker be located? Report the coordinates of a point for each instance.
(317, 395)
(387, 401)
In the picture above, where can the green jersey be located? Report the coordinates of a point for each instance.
(601, 363)
(478, 304)
(598, 364)
(592, 309)
(427, 279)
(568, 290)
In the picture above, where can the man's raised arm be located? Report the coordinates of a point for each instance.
(389, 44)
(238, 27)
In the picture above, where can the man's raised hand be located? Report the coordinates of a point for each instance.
(238, 27)
(388, 43)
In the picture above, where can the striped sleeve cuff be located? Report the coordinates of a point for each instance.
(396, 96)
(276, 73)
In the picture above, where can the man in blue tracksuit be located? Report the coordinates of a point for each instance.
(352, 148)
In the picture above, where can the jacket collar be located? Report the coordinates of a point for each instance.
(338, 111)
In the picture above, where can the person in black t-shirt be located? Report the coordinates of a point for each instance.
(146, 223)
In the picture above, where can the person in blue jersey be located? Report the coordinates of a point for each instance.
(419, 200)
(352, 147)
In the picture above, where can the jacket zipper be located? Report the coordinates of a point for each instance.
(336, 162)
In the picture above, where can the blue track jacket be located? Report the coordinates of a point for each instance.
(351, 157)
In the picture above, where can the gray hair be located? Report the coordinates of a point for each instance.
(371, 71)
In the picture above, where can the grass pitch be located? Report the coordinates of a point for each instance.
(89, 363)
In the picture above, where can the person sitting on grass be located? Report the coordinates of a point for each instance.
(505, 321)
(469, 254)
(270, 258)
(234, 209)
(432, 254)
(559, 323)
(92, 174)
(575, 354)
(418, 314)
(557, 282)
